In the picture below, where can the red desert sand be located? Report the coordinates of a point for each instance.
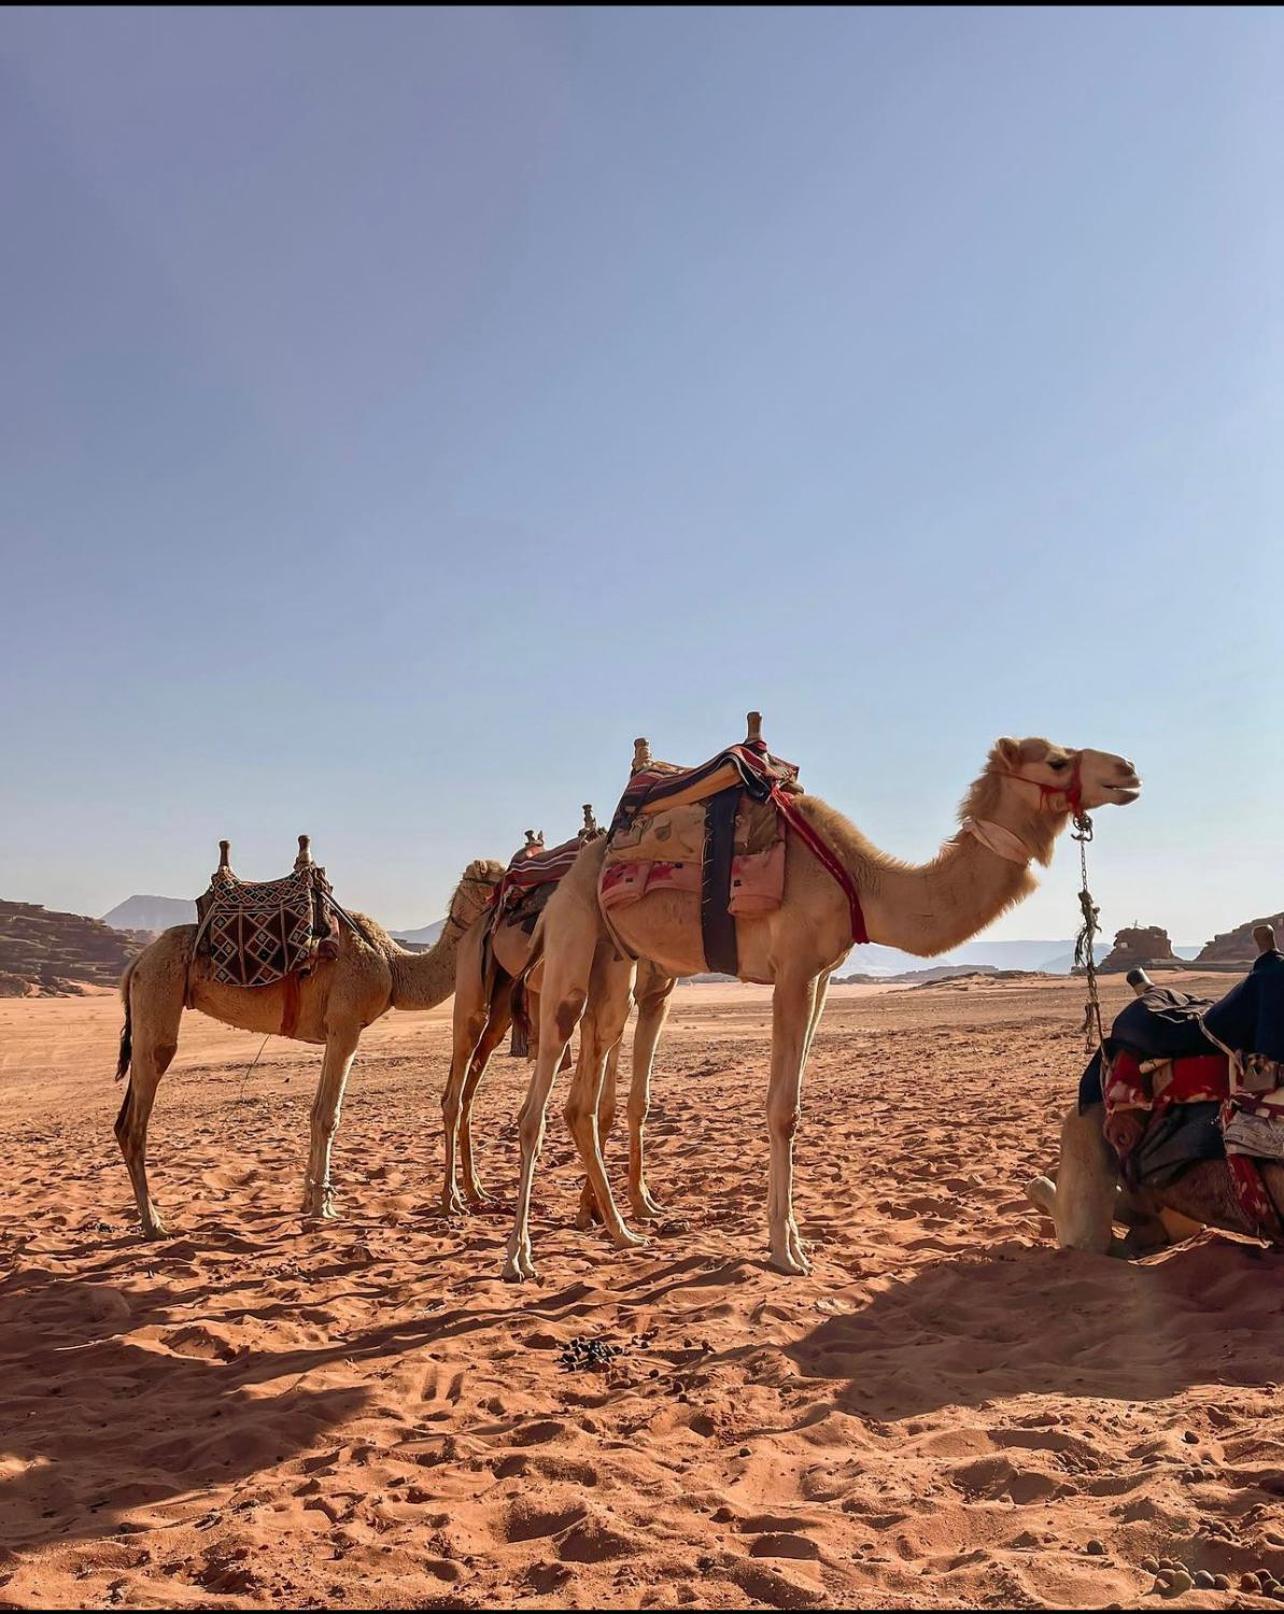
(253, 1413)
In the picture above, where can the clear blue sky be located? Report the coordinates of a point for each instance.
(402, 410)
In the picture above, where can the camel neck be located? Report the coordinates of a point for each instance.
(928, 908)
(423, 980)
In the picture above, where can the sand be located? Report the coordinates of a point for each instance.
(252, 1413)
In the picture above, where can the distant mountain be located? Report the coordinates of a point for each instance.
(151, 913)
(424, 937)
(1053, 957)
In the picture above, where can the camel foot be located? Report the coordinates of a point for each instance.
(154, 1226)
(519, 1264)
(644, 1207)
(624, 1239)
(1042, 1194)
(476, 1198)
(789, 1254)
(452, 1202)
(320, 1210)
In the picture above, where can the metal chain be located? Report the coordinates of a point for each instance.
(1084, 947)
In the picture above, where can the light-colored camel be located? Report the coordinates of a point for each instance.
(483, 1013)
(1012, 816)
(370, 975)
(1086, 1197)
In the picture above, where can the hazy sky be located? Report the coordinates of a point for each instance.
(403, 410)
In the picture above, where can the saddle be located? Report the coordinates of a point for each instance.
(718, 829)
(255, 933)
(1183, 1070)
(534, 873)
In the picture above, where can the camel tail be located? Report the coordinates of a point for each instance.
(127, 1030)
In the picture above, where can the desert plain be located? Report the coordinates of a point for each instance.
(259, 1413)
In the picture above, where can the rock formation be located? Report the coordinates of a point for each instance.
(44, 954)
(1141, 946)
(1237, 946)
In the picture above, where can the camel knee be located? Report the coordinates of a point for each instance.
(576, 1113)
(567, 1014)
(530, 1127)
(783, 1119)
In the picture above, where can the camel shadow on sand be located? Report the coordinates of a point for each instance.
(1054, 1323)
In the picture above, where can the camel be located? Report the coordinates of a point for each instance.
(1087, 1196)
(1012, 815)
(483, 1012)
(343, 994)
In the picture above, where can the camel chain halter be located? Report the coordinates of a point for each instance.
(1084, 943)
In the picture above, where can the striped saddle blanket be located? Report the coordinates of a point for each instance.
(530, 880)
(255, 933)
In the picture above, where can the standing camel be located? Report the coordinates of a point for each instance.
(485, 978)
(341, 996)
(1011, 817)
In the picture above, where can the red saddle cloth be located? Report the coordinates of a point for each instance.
(1202, 1078)
(528, 872)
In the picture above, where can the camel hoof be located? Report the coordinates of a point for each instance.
(155, 1230)
(518, 1269)
(623, 1239)
(452, 1204)
(646, 1209)
(1042, 1194)
(476, 1199)
(792, 1266)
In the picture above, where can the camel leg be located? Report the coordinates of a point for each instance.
(470, 1025)
(654, 995)
(340, 1048)
(155, 1008)
(563, 993)
(588, 1212)
(496, 1030)
(793, 1009)
(1082, 1201)
(156, 1013)
(609, 1000)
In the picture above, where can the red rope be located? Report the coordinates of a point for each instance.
(825, 856)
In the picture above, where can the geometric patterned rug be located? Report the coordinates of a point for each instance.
(256, 932)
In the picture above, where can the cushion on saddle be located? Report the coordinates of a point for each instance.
(665, 850)
(255, 933)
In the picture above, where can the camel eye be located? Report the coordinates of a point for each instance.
(1059, 765)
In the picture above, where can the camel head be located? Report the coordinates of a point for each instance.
(1066, 780)
(473, 892)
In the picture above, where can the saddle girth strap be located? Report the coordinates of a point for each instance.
(717, 922)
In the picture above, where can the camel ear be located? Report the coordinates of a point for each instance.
(1007, 751)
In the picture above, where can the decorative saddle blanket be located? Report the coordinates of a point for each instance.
(530, 880)
(255, 933)
(718, 830)
(1184, 1068)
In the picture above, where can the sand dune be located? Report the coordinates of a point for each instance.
(251, 1413)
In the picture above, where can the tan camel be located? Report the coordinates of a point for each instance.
(1087, 1196)
(1012, 816)
(370, 975)
(483, 1013)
